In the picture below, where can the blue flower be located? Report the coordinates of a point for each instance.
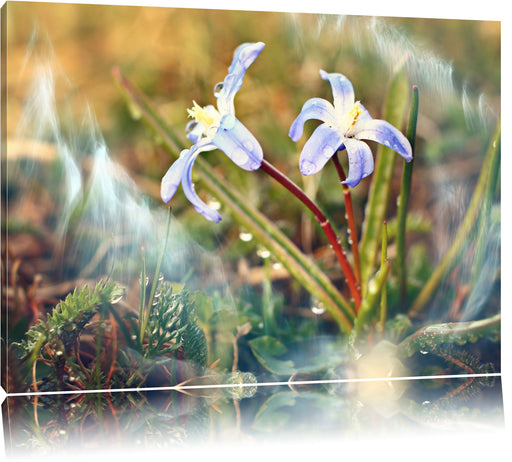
(217, 128)
(345, 123)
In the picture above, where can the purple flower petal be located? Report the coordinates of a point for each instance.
(319, 148)
(342, 91)
(243, 57)
(238, 143)
(360, 161)
(384, 133)
(190, 193)
(172, 178)
(314, 108)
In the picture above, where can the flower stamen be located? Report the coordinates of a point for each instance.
(201, 115)
(354, 113)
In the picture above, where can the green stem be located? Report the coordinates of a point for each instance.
(155, 282)
(383, 263)
(370, 302)
(405, 190)
(97, 365)
(461, 239)
(142, 299)
(298, 265)
(269, 306)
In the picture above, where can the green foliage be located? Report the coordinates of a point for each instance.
(64, 324)
(172, 326)
(193, 339)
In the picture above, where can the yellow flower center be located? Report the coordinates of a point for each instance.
(354, 113)
(201, 115)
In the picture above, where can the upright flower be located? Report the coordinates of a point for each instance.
(345, 123)
(217, 128)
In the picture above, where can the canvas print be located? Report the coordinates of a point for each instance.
(233, 227)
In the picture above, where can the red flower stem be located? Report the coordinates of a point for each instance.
(349, 209)
(325, 225)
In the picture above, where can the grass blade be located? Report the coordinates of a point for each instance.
(488, 173)
(378, 200)
(405, 190)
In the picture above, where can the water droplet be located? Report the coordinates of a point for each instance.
(135, 112)
(327, 151)
(214, 204)
(277, 265)
(190, 126)
(263, 253)
(249, 145)
(317, 307)
(307, 168)
(227, 122)
(239, 157)
(372, 287)
(245, 236)
(116, 299)
(217, 89)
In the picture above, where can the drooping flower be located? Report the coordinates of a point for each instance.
(217, 128)
(345, 123)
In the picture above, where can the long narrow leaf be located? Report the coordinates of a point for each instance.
(488, 173)
(377, 206)
(405, 190)
(427, 338)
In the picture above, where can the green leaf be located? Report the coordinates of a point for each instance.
(271, 415)
(380, 189)
(405, 190)
(428, 338)
(204, 306)
(266, 350)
